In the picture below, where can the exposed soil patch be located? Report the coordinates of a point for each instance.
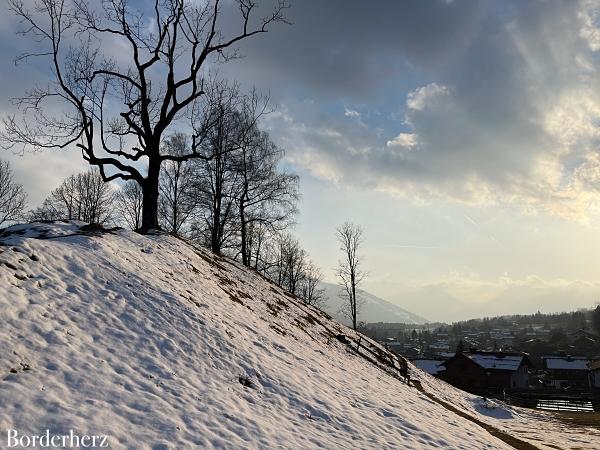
(579, 419)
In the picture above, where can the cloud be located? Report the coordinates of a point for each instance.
(474, 102)
(426, 97)
(350, 48)
(510, 113)
(405, 140)
(351, 113)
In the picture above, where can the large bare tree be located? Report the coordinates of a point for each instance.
(350, 238)
(117, 109)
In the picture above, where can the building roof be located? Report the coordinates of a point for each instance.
(582, 332)
(565, 362)
(496, 360)
(431, 366)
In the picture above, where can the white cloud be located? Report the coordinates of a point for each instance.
(351, 113)
(404, 140)
(426, 96)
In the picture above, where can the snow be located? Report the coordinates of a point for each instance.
(566, 363)
(491, 361)
(534, 426)
(431, 366)
(492, 408)
(162, 346)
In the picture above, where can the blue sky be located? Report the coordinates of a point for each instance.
(462, 135)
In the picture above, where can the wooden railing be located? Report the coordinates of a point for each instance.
(583, 401)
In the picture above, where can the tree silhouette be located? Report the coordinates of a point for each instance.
(116, 110)
(350, 238)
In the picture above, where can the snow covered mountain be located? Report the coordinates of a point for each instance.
(158, 345)
(374, 309)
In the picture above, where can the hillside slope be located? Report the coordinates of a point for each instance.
(374, 309)
(163, 346)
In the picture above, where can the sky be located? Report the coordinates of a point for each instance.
(461, 135)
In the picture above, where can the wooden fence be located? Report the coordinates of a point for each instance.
(555, 401)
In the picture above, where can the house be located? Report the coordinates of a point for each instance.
(431, 366)
(567, 371)
(481, 372)
(439, 346)
(595, 374)
(581, 333)
(445, 355)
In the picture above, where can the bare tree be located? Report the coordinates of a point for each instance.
(128, 204)
(350, 238)
(84, 197)
(117, 110)
(266, 196)
(12, 196)
(258, 236)
(289, 263)
(310, 290)
(215, 174)
(177, 201)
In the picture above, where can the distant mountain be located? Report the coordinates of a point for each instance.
(375, 309)
(444, 302)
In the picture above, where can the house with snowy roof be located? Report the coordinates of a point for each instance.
(567, 371)
(482, 372)
(431, 366)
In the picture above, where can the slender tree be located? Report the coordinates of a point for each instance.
(12, 196)
(289, 262)
(215, 174)
(310, 290)
(266, 195)
(117, 110)
(350, 238)
(128, 204)
(177, 201)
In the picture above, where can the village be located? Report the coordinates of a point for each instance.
(539, 361)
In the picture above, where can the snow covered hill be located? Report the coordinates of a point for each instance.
(373, 310)
(159, 345)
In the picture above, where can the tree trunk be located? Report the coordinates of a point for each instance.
(215, 241)
(243, 233)
(150, 197)
(354, 311)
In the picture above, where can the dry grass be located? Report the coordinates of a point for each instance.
(580, 419)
